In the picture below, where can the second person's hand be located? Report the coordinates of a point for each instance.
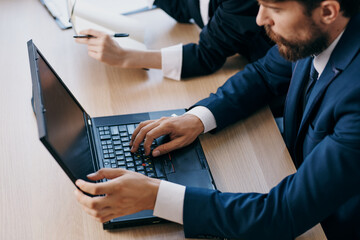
(182, 131)
(103, 48)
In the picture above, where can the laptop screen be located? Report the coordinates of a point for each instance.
(65, 124)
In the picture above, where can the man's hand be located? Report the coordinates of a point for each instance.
(182, 130)
(125, 193)
(105, 49)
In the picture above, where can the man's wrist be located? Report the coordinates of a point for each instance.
(153, 186)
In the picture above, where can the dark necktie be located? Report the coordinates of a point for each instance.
(312, 80)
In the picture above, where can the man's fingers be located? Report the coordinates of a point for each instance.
(168, 147)
(95, 188)
(108, 173)
(92, 32)
(143, 128)
(153, 134)
(93, 203)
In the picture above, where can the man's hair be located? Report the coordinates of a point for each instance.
(348, 7)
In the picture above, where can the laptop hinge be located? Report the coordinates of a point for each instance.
(91, 141)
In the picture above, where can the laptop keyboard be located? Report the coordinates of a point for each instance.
(115, 144)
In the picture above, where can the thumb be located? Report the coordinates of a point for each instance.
(167, 147)
(108, 173)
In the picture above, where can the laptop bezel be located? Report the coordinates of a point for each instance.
(39, 109)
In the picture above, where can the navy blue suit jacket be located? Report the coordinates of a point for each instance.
(232, 29)
(324, 143)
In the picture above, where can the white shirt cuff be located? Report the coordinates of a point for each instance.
(206, 117)
(170, 202)
(150, 3)
(204, 11)
(171, 61)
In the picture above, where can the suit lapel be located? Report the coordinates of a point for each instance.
(346, 49)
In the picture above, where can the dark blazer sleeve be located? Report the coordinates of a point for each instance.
(181, 10)
(327, 181)
(250, 89)
(328, 178)
(232, 29)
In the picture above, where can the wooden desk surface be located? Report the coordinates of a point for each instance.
(36, 197)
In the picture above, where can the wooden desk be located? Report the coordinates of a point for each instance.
(36, 197)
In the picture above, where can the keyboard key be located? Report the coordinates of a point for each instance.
(112, 161)
(114, 130)
(106, 151)
(118, 147)
(131, 169)
(106, 128)
(131, 128)
(121, 163)
(101, 133)
(101, 129)
(115, 138)
(117, 142)
(105, 137)
(125, 139)
(112, 155)
(127, 149)
(130, 164)
(113, 166)
(106, 156)
(121, 157)
(126, 144)
(127, 154)
(138, 162)
(123, 134)
(109, 142)
(103, 142)
(120, 152)
(129, 159)
(140, 168)
(122, 128)
(111, 150)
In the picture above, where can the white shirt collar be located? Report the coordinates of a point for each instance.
(322, 59)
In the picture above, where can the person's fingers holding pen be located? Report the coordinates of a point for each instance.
(93, 36)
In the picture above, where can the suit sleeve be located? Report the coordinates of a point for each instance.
(327, 181)
(250, 89)
(181, 10)
(232, 29)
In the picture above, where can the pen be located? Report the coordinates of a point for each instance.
(91, 36)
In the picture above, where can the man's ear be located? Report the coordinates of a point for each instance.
(330, 10)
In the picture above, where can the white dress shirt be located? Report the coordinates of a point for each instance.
(170, 198)
(171, 57)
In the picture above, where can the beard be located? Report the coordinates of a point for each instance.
(296, 48)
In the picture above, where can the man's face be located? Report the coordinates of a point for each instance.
(296, 34)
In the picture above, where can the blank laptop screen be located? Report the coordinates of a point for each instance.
(65, 124)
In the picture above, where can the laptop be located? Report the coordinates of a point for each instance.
(82, 144)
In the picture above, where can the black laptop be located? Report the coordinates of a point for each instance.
(82, 145)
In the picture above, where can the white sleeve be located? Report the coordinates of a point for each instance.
(204, 11)
(171, 61)
(206, 117)
(169, 202)
(150, 3)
